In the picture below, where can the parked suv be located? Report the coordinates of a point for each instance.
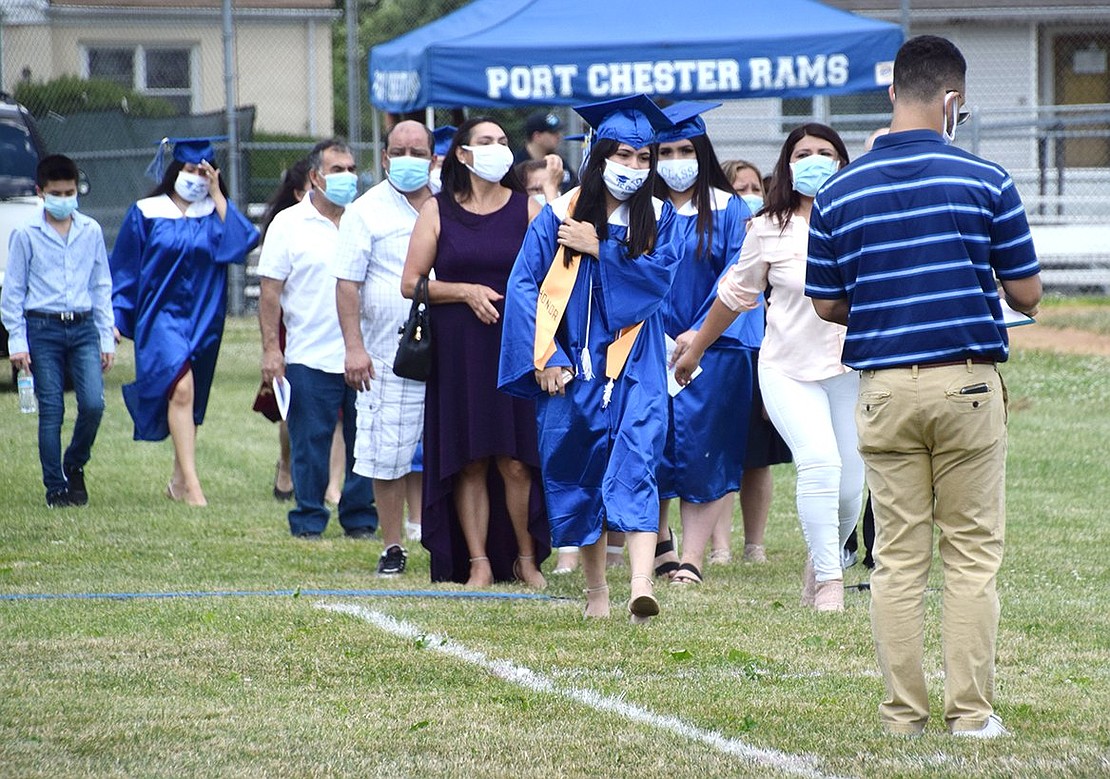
(21, 148)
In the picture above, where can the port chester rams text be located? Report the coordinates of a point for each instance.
(666, 77)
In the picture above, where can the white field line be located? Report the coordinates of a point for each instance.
(797, 765)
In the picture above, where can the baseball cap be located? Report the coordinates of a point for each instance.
(541, 122)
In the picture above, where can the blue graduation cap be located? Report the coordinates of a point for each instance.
(686, 116)
(191, 150)
(443, 135)
(634, 120)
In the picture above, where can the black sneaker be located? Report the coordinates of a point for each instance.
(77, 492)
(360, 533)
(392, 561)
(59, 499)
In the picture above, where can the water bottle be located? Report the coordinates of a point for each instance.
(26, 382)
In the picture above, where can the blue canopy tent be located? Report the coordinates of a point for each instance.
(548, 52)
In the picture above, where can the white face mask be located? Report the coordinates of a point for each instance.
(190, 187)
(622, 181)
(679, 175)
(491, 162)
(951, 116)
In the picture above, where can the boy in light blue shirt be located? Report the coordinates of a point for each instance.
(57, 307)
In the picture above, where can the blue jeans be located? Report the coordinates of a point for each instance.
(57, 349)
(315, 400)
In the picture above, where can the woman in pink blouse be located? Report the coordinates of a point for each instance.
(809, 395)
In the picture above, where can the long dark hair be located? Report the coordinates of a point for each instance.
(165, 187)
(710, 177)
(591, 201)
(781, 200)
(293, 180)
(455, 176)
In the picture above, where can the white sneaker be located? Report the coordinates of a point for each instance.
(992, 729)
(412, 531)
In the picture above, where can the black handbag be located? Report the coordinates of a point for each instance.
(414, 350)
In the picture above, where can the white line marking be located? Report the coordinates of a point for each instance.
(798, 765)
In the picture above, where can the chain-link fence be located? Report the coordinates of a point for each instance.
(105, 79)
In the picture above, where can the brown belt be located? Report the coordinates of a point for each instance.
(951, 363)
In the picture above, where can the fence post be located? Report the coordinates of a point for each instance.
(354, 115)
(236, 281)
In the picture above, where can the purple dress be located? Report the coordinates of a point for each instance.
(466, 418)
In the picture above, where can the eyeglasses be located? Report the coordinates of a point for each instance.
(964, 113)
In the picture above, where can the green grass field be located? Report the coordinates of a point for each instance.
(277, 686)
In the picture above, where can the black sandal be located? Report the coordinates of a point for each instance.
(668, 567)
(282, 495)
(688, 573)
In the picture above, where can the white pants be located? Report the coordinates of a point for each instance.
(817, 421)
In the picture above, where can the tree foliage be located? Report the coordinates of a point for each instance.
(378, 23)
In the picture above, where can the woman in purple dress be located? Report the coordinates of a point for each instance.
(480, 523)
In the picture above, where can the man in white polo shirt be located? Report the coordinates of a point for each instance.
(297, 284)
(373, 242)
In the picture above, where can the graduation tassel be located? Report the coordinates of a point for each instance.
(587, 364)
(607, 395)
(585, 359)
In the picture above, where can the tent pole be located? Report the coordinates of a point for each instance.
(430, 117)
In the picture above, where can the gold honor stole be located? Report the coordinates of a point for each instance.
(551, 305)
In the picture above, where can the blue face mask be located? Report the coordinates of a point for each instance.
(408, 174)
(753, 202)
(810, 173)
(341, 188)
(58, 206)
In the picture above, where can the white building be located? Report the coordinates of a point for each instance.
(174, 49)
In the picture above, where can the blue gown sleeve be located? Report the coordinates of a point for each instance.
(747, 329)
(518, 333)
(634, 289)
(125, 264)
(234, 237)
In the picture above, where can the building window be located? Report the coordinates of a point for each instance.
(158, 71)
(795, 110)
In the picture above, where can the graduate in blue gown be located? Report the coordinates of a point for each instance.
(708, 431)
(601, 430)
(169, 277)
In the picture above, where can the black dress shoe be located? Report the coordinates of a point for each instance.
(75, 479)
(360, 533)
(308, 536)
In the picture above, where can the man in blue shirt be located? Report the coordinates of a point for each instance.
(905, 246)
(57, 307)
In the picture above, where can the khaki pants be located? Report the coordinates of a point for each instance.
(935, 456)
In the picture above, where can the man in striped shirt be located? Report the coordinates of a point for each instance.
(905, 248)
